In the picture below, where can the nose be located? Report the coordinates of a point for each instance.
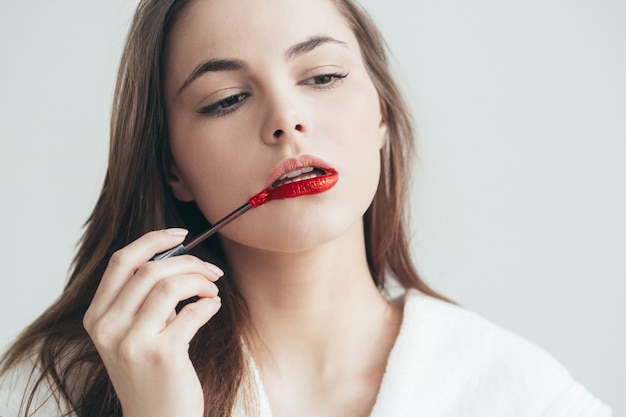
(286, 121)
(279, 133)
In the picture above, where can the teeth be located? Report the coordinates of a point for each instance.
(295, 173)
(301, 174)
(304, 177)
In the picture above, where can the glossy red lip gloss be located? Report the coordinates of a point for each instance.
(309, 186)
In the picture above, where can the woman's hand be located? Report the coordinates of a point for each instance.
(142, 341)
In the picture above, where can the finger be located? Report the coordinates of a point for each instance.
(191, 318)
(125, 262)
(165, 296)
(143, 282)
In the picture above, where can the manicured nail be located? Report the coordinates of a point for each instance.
(214, 269)
(175, 231)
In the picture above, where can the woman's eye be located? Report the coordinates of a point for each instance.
(224, 106)
(325, 80)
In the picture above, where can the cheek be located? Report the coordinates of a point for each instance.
(361, 108)
(206, 168)
(363, 137)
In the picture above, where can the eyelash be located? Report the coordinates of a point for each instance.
(231, 104)
(225, 106)
(334, 79)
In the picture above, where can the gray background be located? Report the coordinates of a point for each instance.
(520, 194)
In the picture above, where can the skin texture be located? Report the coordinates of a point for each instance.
(320, 331)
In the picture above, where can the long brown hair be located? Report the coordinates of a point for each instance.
(135, 198)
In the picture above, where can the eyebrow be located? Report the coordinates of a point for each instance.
(218, 65)
(213, 65)
(310, 44)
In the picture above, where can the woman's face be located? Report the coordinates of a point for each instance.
(251, 84)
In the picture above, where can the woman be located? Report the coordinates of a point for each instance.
(215, 102)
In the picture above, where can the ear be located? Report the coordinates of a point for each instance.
(178, 185)
(382, 127)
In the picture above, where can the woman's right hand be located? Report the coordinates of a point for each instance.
(142, 341)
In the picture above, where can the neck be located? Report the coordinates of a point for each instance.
(318, 307)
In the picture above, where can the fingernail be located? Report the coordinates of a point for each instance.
(217, 298)
(175, 231)
(214, 269)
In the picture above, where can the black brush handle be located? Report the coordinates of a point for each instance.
(175, 251)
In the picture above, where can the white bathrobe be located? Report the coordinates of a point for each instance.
(446, 362)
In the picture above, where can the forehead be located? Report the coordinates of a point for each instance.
(237, 28)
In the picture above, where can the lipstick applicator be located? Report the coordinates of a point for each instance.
(257, 200)
(311, 186)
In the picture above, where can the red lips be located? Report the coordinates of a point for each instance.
(294, 187)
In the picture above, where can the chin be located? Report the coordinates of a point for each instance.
(299, 232)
